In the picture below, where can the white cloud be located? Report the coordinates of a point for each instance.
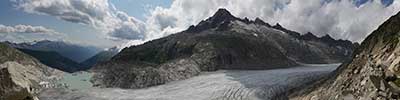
(27, 29)
(339, 18)
(24, 33)
(99, 14)
(130, 43)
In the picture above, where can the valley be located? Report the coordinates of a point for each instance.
(219, 85)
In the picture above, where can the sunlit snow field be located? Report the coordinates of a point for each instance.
(220, 85)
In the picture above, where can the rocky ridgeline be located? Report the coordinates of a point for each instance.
(373, 74)
(223, 41)
(22, 76)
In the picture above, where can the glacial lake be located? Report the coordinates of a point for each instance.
(77, 80)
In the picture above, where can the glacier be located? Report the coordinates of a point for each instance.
(220, 85)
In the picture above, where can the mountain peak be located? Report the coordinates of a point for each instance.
(277, 26)
(222, 12)
(309, 36)
(259, 21)
(327, 37)
(219, 20)
(222, 15)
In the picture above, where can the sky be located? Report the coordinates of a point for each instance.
(108, 23)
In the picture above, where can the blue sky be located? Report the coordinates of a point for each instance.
(76, 32)
(139, 8)
(195, 11)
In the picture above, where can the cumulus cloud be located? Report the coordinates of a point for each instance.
(26, 29)
(99, 14)
(23, 33)
(342, 19)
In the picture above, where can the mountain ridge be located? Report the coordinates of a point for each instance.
(54, 60)
(219, 42)
(75, 52)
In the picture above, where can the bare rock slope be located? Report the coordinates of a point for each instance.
(373, 74)
(21, 76)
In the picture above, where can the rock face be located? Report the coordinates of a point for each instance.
(21, 76)
(220, 42)
(373, 74)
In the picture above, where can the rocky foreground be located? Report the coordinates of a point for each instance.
(219, 85)
(22, 77)
(373, 74)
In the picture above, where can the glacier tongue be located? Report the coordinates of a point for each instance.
(224, 84)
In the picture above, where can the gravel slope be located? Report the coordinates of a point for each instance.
(220, 85)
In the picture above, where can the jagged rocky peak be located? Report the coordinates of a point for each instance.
(261, 22)
(278, 26)
(309, 36)
(327, 38)
(222, 15)
(219, 20)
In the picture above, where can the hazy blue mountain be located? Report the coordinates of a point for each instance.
(54, 60)
(77, 53)
(100, 57)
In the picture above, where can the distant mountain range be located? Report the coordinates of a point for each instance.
(222, 41)
(55, 60)
(100, 57)
(77, 53)
(61, 55)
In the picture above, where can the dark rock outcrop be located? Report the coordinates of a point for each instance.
(21, 76)
(372, 74)
(220, 42)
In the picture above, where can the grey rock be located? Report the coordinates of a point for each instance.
(21, 76)
(220, 42)
(375, 59)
